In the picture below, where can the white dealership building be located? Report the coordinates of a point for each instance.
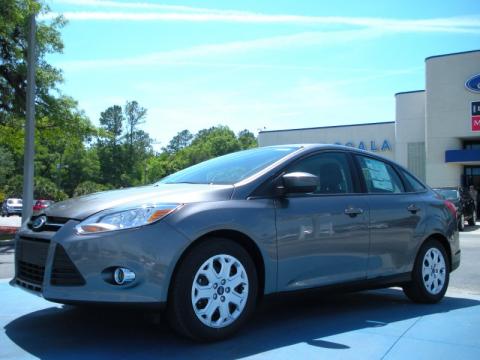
(436, 132)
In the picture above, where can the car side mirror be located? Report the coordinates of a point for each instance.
(300, 182)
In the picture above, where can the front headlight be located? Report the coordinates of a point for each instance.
(119, 219)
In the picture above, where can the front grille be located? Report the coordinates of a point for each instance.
(53, 223)
(64, 272)
(31, 257)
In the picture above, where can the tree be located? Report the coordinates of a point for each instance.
(88, 187)
(62, 131)
(14, 16)
(206, 144)
(122, 147)
(46, 189)
(135, 116)
(43, 188)
(80, 164)
(110, 151)
(112, 121)
(247, 139)
(6, 165)
(179, 141)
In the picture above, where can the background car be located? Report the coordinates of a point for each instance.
(41, 204)
(463, 202)
(12, 206)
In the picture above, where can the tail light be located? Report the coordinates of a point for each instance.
(451, 207)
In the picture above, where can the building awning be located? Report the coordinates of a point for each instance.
(462, 156)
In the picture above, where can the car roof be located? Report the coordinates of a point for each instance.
(312, 147)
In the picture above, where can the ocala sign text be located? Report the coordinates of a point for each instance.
(369, 145)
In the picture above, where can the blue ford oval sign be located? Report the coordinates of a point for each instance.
(473, 84)
(38, 223)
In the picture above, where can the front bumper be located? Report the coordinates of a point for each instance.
(14, 211)
(65, 267)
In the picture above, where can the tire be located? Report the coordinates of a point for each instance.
(461, 223)
(473, 220)
(203, 318)
(422, 289)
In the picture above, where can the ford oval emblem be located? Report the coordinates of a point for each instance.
(39, 222)
(473, 84)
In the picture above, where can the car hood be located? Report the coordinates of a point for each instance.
(81, 207)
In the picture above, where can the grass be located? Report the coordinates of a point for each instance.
(6, 236)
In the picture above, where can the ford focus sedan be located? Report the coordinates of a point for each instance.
(208, 242)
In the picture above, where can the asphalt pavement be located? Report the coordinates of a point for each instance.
(381, 324)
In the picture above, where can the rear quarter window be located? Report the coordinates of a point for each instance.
(412, 183)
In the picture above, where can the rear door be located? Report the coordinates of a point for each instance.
(396, 218)
(323, 237)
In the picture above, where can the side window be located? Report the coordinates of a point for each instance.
(332, 170)
(380, 177)
(413, 183)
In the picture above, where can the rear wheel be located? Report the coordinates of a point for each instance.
(214, 291)
(431, 274)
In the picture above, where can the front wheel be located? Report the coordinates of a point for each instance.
(431, 274)
(461, 223)
(214, 291)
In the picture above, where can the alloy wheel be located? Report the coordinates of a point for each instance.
(434, 271)
(220, 291)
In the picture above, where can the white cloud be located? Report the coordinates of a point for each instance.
(454, 24)
(141, 6)
(180, 56)
(163, 12)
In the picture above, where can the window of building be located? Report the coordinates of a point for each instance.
(471, 145)
(380, 177)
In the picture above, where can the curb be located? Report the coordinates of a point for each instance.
(470, 235)
(9, 229)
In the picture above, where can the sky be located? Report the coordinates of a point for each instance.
(256, 65)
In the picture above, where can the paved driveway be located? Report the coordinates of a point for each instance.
(368, 325)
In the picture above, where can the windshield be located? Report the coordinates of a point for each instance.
(14, 202)
(448, 194)
(231, 168)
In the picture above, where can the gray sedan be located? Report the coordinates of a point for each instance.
(208, 242)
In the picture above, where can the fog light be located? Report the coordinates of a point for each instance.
(123, 276)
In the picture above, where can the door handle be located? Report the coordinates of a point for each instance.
(413, 208)
(352, 212)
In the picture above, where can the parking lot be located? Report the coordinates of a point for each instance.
(13, 220)
(380, 324)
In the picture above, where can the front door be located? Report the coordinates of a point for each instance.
(322, 237)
